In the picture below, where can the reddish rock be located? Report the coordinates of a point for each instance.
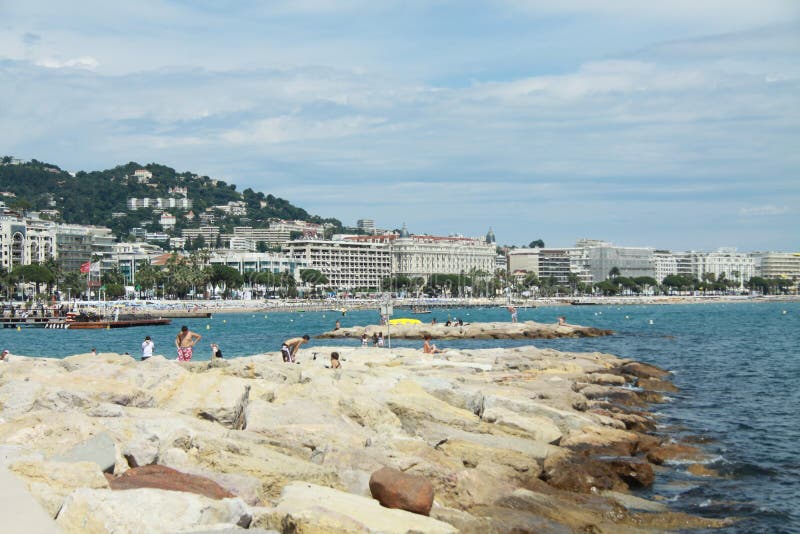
(395, 489)
(161, 477)
(644, 370)
(674, 451)
(634, 472)
(581, 475)
(654, 384)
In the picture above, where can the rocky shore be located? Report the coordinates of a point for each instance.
(496, 330)
(496, 440)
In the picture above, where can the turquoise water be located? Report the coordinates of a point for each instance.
(737, 366)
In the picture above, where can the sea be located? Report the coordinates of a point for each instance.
(737, 366)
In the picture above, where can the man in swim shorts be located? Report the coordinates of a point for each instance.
(291, 346)
(184, 342)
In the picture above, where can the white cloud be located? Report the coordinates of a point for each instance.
(83, 62)
(763, 211)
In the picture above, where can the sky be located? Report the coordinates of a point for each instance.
(671, 124)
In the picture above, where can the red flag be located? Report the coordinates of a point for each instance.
(86, 267)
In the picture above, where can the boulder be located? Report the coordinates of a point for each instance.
(396, 489)
(165, 478)
(674, 452)
(51, 482)
(210, 395)
(539, 428)
(90, 511)
(305, 507)
(99, 449)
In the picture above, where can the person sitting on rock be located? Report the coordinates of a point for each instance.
(430, 348)
(562, 321)
(335, 361)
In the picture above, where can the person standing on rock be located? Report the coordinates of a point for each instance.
(216, 352)
(513, 311)
(184, 341)
(147, 348)
(291, 346)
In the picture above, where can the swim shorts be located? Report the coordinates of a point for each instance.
(184, 354)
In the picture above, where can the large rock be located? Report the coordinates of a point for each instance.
(161, 477)
(51, 482)
(396, 489)
(305, 507)
(539, 428)
(89, 511)
(210, 395)
(99, 449)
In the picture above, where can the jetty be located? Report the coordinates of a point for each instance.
(494, 440)
(495, 330)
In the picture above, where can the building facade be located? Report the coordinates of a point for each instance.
(348, 265)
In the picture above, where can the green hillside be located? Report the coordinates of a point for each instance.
(92, 197)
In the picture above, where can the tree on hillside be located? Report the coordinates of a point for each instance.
(536, 243)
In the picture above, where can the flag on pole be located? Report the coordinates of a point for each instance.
(86, 267)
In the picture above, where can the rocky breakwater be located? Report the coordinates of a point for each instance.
(493, 440)
(499, 330)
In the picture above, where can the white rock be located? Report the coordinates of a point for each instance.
(305, 507)
(88, 511)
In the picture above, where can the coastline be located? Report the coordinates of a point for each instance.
(509, 438)
(174, 307)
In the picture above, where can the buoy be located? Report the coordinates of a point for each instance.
(323, 315)
(265, 317)
(224, 320)
(291, 320)
(108, 327)
(651, 321)
(18, 329)
(627, 316)
(784, 312)
(208, 327)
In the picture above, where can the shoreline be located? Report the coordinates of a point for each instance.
(267, 306)
(509, 438)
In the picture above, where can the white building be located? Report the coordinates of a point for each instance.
(556, 263)
(367, 225)
(159, 203)
(737, 266)
(346, 264)
(665, 264)
(247, 262)
(143, 176)
(784, 265)
(24, 241)
(167, 220)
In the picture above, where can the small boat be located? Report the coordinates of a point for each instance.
(404, 320)
(417, 310)
(83, 321)
(583, 303)
(78, 325)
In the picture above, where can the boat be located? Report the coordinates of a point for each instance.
(404, 320)
(418, 310)
(583, 303)
(79, 325)
(86, 321)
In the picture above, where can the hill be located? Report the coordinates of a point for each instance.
(100, 197)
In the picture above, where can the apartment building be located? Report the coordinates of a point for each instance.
(159, 203)
(734, 265)
(247, 262)
(25, 241)
(346, 264)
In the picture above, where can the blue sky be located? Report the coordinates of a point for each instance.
(674, 125)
